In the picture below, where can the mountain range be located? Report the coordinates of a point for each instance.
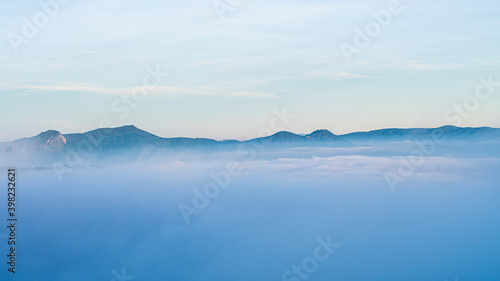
(52, 145)
(130, 136)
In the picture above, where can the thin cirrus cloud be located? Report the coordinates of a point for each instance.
(156, 90)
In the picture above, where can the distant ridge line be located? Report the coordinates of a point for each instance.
(318, 130)
(130, 136)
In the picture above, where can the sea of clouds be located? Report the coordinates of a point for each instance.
(267, 218)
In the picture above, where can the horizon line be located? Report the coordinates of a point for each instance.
(373, 130)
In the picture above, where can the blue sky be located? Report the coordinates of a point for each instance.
(227, 76)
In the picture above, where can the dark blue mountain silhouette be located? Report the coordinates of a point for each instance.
(448, 133)
(132, 138)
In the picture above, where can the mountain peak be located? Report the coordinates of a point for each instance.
(118, 137)
(321, 132)
(49, 133)
(128, 127)
(283, 133)
(50, 140)
(285, 136)
(322, 135)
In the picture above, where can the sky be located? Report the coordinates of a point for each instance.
(221, 69)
